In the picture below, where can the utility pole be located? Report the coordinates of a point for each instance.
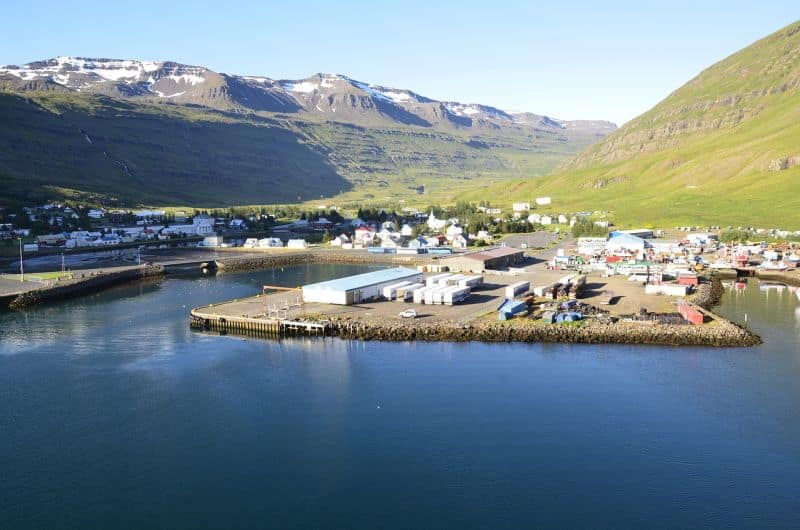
(62, 262)
(21, 270)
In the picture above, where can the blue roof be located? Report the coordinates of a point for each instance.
(358, 281)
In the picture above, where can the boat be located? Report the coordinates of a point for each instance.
(774, 266)
(721, 265)
(767, 286)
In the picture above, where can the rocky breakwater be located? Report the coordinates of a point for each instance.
(709, 293)
(85, 284)
(721, 333)
(285, 259)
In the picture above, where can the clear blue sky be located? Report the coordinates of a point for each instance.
(580, 59)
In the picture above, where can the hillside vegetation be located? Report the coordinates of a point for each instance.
(161, 133)
(722, 149)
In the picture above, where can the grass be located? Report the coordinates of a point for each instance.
(704, 155)
(171, 155)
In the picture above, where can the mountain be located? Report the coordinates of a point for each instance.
(722, 149)
(164, 132)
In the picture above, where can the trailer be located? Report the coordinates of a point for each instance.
(434, 294)
(452, 280)
(436, 278)
(471, 281)
(517, 288)
(390, 291)
(419, 295)
(406, 293)
(455, 295)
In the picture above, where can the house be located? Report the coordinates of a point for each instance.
(546, 220)
(535, 218)
(644, 233)
(543, 201)
(211, 241)
(562, 219)
(203, 224)
(418, 242)
(322, 224)
(459, 242)
(521, 207)
(340, 240)
(364, 235)
(250, 242)
(297, 243)
(453, 231)
(96, 214)
(237, 224)
(270, 242)
(406, 230)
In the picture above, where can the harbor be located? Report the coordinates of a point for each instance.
(529, 304)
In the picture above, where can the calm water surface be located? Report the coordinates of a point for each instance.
(114, 414)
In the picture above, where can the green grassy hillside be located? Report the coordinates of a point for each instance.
(58, 142)
(722, 149)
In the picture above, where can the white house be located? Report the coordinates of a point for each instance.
(546, 220)
(521, 206)
(363, 235)
(562, 219)
(270, 242)
(406, 230)
(96, 214)
(203, 224)
(453, 231)
(340, 240)
(543, 201)
(297, 243)
(535, 218)
(459, 242)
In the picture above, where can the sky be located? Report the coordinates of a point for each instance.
(577, 59)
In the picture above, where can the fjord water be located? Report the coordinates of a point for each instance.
(114, 414)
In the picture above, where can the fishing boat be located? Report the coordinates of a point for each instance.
(769, 286)
(774, 266)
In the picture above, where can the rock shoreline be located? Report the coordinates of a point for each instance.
(245, 263)
(721, 334)
(83, 286)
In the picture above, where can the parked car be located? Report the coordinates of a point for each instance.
(408, 313)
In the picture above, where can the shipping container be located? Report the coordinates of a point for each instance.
(405, 294)
(434, 280)
(471, 281)
(389, 292)
(455, 295)
(434, 296)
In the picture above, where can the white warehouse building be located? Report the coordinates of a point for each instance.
(359, 288)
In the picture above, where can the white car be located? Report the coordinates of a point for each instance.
(408, 313)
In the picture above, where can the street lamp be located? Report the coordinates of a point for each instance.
(62, 262)
(21, 270)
